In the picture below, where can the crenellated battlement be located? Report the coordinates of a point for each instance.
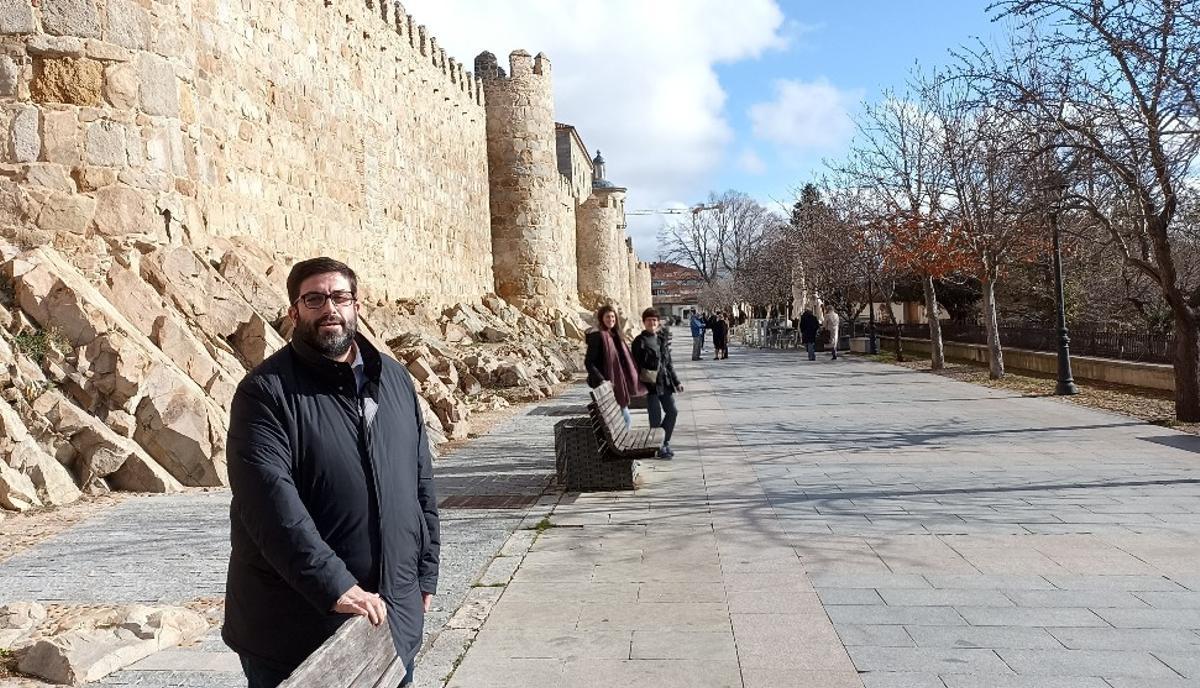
(522, 67)
(414, 39)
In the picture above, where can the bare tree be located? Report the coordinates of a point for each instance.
(1116, 82)
(897, 153)
(717, 241)
(987, 155)
(694, 242)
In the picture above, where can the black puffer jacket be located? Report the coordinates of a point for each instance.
(653, 352)
(324, 499)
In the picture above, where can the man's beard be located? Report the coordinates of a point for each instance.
(332, 344)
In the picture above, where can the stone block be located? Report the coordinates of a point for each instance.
(24, 138)
(16, 16)
(106, 144)
(158, 92)
(49, 176)
(128, 24)
(64, 212)
(17, 491)
(47, 46)
(60, 137)
(76, 81)
(89, 179)
(10, 73)
(71, 18)
(121, 210)
(121, 85)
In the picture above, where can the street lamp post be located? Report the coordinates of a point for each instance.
(1066, 382)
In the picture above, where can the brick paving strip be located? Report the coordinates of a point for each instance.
(854, 524)
(175, 549)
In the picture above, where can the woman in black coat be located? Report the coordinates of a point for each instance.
(608, 359)
(720, 330)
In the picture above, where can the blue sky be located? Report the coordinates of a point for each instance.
(685, 97)
(860, 48)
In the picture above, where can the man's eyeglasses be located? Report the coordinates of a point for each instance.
(314, 300)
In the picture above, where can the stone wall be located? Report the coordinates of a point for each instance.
(600, 249)
(533, 243)
(335, 129)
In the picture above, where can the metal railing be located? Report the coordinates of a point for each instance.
(1085, 341)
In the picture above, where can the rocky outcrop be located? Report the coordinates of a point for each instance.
(122, 358)
(91, 643)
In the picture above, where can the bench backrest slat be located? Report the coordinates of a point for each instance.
(355, 644)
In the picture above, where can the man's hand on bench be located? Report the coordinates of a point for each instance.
(362, 603)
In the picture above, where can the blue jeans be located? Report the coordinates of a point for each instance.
(656, 404)
(811, 347)
(263, 674)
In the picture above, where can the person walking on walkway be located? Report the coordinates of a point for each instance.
(720, 328)
(809, 327)
(698, 328)
(652, 353)
(608, 358)
(832, 322)
(334, 512)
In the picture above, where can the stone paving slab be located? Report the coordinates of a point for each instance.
(856, 524)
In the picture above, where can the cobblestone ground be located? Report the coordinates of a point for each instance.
(851, 524)
(176, 548)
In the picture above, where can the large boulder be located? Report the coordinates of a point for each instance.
(249, 278)
(183, 432)
(255, 340)
(17, 491)
(91, 652)
(102, 453)
(196, 289)
(17, 621)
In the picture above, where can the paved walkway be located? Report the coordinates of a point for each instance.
(848, 524)
(176, 548)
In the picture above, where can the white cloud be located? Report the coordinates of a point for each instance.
(636, 78)
(750, 163)
(805, 115)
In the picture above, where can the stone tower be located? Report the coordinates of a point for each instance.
(533, 235)
(600, 246)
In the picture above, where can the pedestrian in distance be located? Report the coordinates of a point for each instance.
(608, 358)
(810, 326)
(720, 328)
(652, 353)
(832, 323)
(698, 328)
(334, 512)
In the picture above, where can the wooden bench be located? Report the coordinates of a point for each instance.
(358, 655)
(619, 443)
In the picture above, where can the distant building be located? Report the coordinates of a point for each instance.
(675, 289)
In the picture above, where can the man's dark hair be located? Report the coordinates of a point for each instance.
(318, 266)
(649, 313)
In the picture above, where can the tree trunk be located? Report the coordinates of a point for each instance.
(995, 353)
(937, 353)
(1187, 366)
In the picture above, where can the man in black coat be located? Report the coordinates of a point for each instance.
(810, 325)
(334, 512)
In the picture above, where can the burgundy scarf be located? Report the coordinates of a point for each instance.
(622, 373)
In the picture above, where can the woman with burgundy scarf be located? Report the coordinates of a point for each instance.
(608, 358)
